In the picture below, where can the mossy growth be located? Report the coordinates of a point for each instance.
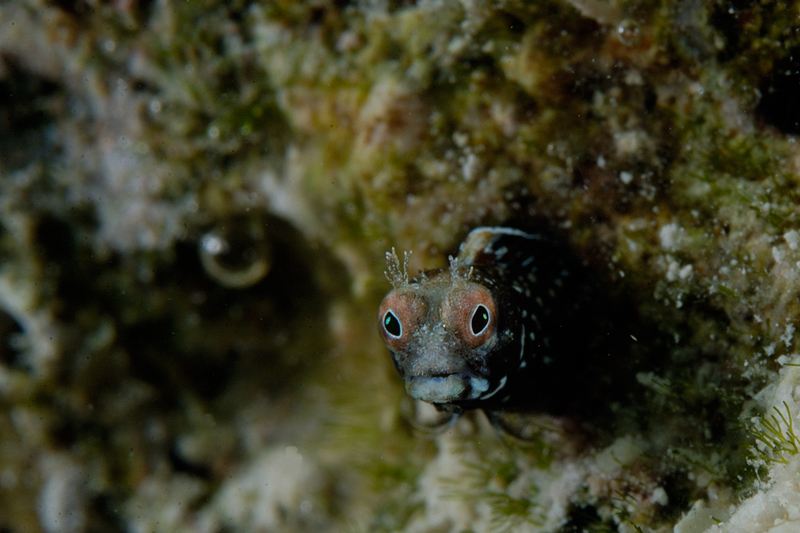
(776, 440)
(657, 139)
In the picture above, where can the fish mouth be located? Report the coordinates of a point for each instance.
(446, 388)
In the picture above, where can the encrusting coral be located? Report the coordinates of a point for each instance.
(196, 200)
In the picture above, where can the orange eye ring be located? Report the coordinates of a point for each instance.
(472, 312)
(399, 314)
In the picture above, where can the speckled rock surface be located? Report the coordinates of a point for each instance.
(195, 202)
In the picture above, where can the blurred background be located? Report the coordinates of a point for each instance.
(195, 203)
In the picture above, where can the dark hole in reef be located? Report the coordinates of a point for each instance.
(179, 464)
(11, 335)
(584, 362)
(650, 98)
(24, 116)
(514, 25)
(71, 263)
(65, 431)
(104, 515)
(317, 15)
(730, 19)
(681, 492)
(143, 86)
(592, 360)
(73, 423)
(155, 359)
(780, 95)
(54, 239)
(73, 7)
(209, 339)
(583, 518)
(144, 10)
(396, 5)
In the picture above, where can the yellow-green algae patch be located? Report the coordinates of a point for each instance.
(146, 389)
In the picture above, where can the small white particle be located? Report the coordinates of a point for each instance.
(792, 238)
(660, 497)
(470, 167)
(788, 335)
(531, 336)
(625, 177)
(500, 386)
(669, 235)
(634, 338)
(777, 254)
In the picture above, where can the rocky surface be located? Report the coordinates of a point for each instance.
(195, 202)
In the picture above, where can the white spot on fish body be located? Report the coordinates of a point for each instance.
(479, 385)
(500, 386)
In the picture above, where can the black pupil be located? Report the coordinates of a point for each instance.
(391, 324)
(480, 319)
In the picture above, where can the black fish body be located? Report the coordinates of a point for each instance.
(497, 330)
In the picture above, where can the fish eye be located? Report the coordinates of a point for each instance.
(479, 320)
(391, 325)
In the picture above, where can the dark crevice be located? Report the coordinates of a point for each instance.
(10, 334)
(24, 116)
(780, 95)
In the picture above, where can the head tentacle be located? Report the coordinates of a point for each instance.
(397, 273)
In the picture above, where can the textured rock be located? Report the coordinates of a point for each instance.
(195, 202)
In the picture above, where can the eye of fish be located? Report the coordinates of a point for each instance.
(391, 325)
(479, 320)
(399, 315)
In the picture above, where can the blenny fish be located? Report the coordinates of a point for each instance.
(491, 331)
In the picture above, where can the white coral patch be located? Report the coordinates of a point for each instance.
(670, 235)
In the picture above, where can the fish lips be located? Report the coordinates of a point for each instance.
(446, 388)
